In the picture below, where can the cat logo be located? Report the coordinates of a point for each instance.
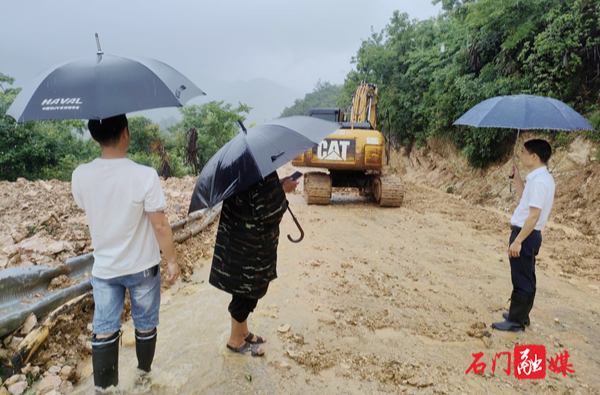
(335, 150)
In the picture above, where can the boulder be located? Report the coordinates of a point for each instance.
(29, 324)
(18, 388)
(48, 383)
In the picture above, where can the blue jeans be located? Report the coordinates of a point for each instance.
(109, 296)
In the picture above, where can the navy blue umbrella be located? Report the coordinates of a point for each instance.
(254, 154)
(524, 112)
(102, 86)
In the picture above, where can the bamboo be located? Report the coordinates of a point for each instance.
(38, 335)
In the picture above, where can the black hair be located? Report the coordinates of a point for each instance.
(541, 148)
(108, 131)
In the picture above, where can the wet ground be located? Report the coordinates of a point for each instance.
(384, 301)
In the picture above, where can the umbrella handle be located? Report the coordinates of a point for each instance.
(515, 153)
(298, 240)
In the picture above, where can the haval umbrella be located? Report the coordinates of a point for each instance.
(102, 86)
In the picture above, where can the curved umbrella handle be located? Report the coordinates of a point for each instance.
(298, 240)
(514, 158)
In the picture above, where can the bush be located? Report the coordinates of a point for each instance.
(150, 160)
(179, 168)
(484, 146)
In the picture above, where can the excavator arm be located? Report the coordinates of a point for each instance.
(364, 104)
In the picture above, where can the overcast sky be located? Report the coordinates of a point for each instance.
(291, 42)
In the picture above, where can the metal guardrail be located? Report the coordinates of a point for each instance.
(18, 284)
(24, 290)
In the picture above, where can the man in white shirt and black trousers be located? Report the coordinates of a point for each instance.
(530, 217)
(124, 204)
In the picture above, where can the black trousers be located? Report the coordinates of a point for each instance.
(522, 269)
(240, 308)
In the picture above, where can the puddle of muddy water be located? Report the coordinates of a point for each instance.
(191, 356)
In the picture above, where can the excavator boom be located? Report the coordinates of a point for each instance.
(364, 104)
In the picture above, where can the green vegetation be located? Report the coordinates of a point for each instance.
(50, 149)
(215, 124)
(53, 149)
(431, 72)
(324, 95)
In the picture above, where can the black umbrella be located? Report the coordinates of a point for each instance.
(524, 112)
(254, 154)
(102, 86)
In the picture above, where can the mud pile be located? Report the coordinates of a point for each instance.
(575, 169)
(40, 223)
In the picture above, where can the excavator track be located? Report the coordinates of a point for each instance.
(317, 188)
(388, 191)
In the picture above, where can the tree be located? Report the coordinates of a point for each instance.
(144, 135)
(324, 95)
(215, 123)
(191, 150)
(430, 72)
(44, 149)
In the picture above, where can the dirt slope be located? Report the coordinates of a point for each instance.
(575, 168)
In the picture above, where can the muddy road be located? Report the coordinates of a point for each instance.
(384, 301)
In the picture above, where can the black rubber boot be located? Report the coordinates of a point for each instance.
(527, 321)
(519, 308)
(145, 345)
(105, 360)
(530, 307)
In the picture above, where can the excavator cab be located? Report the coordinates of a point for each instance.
(327, 114)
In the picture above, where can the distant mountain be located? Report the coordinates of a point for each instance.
(164, 123)
(267, 98)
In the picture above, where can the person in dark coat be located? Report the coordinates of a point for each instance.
(245, 255)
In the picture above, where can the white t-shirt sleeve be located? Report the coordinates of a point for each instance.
(75, 190)
(539, 195)
(155, 198)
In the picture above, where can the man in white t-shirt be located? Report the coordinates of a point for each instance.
(529, 218)
(125, 205)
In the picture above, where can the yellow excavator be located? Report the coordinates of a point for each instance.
(354, 155)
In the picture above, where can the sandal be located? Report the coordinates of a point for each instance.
(259, 340)
(253, 348)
